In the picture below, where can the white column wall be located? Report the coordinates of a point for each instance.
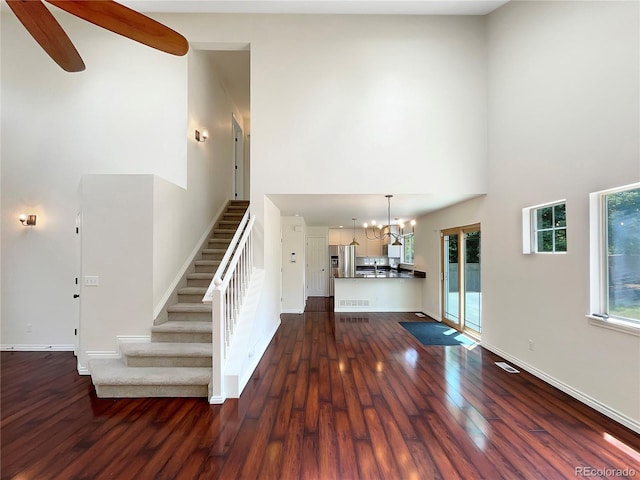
(293, 273)
(117, 235)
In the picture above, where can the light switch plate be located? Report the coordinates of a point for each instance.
(91, 281)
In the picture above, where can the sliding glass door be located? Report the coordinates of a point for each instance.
(451, 287)
(472, 287)
(461, 284)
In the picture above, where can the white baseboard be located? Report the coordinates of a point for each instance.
(133, 339)
(292, 310)
(433, 315)
(108, 354)
(165, 298)
(569, 390)
(37, 348)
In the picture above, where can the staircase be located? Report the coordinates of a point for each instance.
(177, 362)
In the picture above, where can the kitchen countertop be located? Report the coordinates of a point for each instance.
(384, 273)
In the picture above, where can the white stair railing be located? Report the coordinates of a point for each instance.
(226, 294)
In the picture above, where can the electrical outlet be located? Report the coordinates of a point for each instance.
(532, 345)
(29, 328)
(91, 281)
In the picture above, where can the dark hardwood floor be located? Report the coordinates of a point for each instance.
(344, 396)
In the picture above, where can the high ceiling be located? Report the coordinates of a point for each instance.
(385, 7)
(322, 210)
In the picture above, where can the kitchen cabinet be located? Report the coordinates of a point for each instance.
(344, 236)
(393, 251)
(340, 236)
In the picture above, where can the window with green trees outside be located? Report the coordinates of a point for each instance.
(622, 257)
(550, 228)
(407, 248)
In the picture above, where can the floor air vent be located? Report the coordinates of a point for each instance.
(354, 303)
(505, 366)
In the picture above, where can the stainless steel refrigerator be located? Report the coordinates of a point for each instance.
(342, 259)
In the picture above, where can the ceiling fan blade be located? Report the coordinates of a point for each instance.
(126, 22)
(46, 30)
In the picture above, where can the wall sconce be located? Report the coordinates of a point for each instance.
(28, 220)
(202, 136)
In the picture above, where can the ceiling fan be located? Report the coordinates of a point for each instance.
(46, 30)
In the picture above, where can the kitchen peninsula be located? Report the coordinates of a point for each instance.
(379, 290)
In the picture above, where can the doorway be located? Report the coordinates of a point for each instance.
(238, 160)
(317, 257)
(461, 279)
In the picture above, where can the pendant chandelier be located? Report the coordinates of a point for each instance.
(381, 232)
(354, 242)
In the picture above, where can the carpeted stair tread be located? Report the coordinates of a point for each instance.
(190, 307)
(114, 372)
(219, 241)
(183, 326)
(166, 349)
(193, 290)
(201, 276)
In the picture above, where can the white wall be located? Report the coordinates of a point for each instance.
(116, 247)
(563, 121)
(338, 98)
(269, 234)
(564, 107)
(293, 273)
(125, 114)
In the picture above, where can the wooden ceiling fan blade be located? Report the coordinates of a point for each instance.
(126, 22)
(46, 30)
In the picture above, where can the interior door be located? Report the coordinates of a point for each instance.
(76, 289)
(317, 260)
(238, 160)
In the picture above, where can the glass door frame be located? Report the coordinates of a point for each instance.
(444, 255)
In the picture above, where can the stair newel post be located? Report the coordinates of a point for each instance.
(219, 343)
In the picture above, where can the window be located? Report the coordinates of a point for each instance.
(615, 254)
(544, 228)
(407, 248)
